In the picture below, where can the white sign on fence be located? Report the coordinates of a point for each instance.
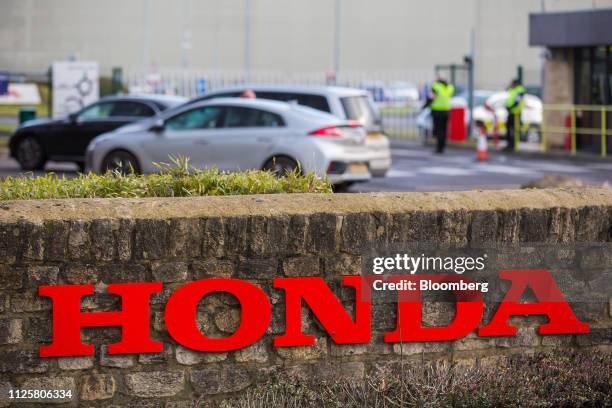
(75, 85)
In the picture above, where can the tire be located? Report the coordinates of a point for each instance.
(281, 165)
(122, 161)
(30, 154)
(81, 166)
(342, 187)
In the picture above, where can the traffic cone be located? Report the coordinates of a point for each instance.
(482, 152)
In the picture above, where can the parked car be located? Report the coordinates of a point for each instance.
(531, 117)
(344, 103)
(235, 134)
(66, 139)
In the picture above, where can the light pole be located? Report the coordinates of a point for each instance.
(337, 38)
(146, 38)
(247, 39)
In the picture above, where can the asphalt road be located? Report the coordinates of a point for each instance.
(416, 168)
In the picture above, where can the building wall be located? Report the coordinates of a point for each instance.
(287, 36)
(558, 90)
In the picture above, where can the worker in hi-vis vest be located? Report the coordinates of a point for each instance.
(514, 104)
(439, 102)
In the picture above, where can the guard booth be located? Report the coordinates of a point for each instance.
(577, 78)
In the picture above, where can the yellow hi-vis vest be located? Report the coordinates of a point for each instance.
(511, 100)
(442, 101)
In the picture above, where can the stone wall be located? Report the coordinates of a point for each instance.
(257, 238)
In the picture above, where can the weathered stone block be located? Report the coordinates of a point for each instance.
(301, 266)
(185, 238)
(11, 277)
(220, 380)
(228, 320)
(213, 237)
(29, 302)
(256, 352)
(278, 231)
(343, 371)
(319, 350)
(115, 360)
(191, 357)
(56, 242)
(343, 264)
(170, 271)
(32, 241)
(483, 229)
(38, 329)
(97, 387)
(155, 383)
(411, 348)
(595, 336)
(22, 362)
(525, 337)
(11, 331)
(103, 239)
(257, 267)
(212, 268)
(41, 276)
(124, 238)
(80, 274)
(236, 235)
(297, 234)
(151, 239)
(75, 363)
(79, 242)
(357, 230)
(156, 358)
(258, 238)
(323, 233)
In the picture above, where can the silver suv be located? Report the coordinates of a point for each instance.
(344, 103)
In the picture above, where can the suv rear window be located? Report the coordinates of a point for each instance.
(358, 108)
(313, 101)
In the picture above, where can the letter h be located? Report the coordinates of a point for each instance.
(68, 319)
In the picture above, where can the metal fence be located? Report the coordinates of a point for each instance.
(388, 88)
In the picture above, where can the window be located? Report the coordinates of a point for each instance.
(208, 117)
(132, 109)
(318, 102)
(98, 111)
(247, 117)
(593, 75)
(358, 108)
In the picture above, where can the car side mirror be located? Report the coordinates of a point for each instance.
(157, 126)
(73, 117)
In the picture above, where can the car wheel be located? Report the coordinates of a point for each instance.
(30, 154)
(122, 161)
(81, 166)
(281, 165)
(342, 187)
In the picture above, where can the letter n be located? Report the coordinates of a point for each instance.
(68, 319)
(328, 310)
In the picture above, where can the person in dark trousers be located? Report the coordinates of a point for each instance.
(515, 103)
(439, 102)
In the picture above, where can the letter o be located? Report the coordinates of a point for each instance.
(181, 314)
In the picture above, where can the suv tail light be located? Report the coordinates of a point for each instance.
(334, 131)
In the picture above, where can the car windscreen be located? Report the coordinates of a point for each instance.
(358, 108)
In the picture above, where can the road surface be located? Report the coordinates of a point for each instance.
(416, 168)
